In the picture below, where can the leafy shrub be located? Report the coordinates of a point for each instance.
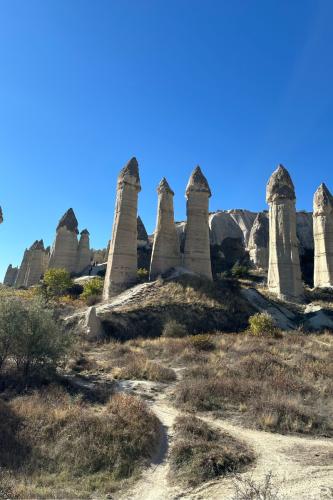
(263, 325)
(201, 342)
(56, 282)
(92, 290)
(239, 271)
(143, 275)
(174, 329)
(31, 336)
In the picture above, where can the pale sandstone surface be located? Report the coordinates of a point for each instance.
(121, 269)
(166, 247)
(65, 247)
(258, 241)
(197, 241)
(284, 273)
(83, 252)
(323, 237)
(10, 276)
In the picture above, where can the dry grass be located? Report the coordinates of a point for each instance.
(137, 366)
(200, 453)
(282, 385)
(57, 446)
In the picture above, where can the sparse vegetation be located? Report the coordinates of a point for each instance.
(92, 290)
(137, 366)
(174, 329)
(248, 489)
(199, 453)
(282, 385)
(142, 274)
(201, 342)
(63, 447)
(263, 325)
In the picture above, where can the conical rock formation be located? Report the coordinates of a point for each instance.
(259, 241)
(121, 269)
(166, 248)
(284, 274)
(65, 246)
(323, 237)
(197, 245)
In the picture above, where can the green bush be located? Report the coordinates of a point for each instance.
(56, 282)
(93, 289)
(174, 329)
(239, 271)
(30, 335)
(143, 275)
(263, 325)
(201, 342)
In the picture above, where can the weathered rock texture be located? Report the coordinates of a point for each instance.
(10, 276)
(258, 241)
(323, 237)
(197, 246)
(166, 249)
(284, 273)
(65, 247)
(121, 269)
(1, 216)
(33, 266)
(142, 233)
(83, 252)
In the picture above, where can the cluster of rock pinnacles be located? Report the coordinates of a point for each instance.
(275, 247)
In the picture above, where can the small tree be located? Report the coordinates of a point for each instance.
(31, 336)
(142, 274)
(56, 282)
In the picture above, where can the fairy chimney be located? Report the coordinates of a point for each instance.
(323, 237)
(65, 247)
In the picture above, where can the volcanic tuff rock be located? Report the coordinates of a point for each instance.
(197, 246)
(121, 269)
(166, 249)
(65, 246)
(323, 237)
(284, 273)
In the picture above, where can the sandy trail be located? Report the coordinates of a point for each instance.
(302, 466)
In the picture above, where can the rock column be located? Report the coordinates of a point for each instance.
(65, 247)
(10, 276)
(20, 279)
(323, 237)
(258, 241)
(197, 244)
(166, 248)
(284, 274)
(83, 253)
(36, 265)
(121, 269)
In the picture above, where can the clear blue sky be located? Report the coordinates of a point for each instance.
(235, 86)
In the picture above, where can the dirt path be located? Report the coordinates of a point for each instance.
(302, 466)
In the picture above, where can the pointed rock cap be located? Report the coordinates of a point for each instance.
(322, 201)
(198, 182)
(164, 187)
(84, 231)
(142, 233)
(129, 174)
(37, 245)
(69, 221)
(280, 186)
(9, 267)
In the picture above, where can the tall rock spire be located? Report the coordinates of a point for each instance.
(166, 248)
(10, 276)
(65, 246)
(197, 244)
(121, 269)
(284, 274)
(323, 237)
(83, 253)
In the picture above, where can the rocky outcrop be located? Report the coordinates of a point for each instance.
(1, 216)
(20, 278)
(166, 249)
(258, 241)
(197, 242)
(33, 266)
(121, 269)
(83, 252)
(323, 237)
(10, 276)
(142, 233)
(284, 274)
(65, 247)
